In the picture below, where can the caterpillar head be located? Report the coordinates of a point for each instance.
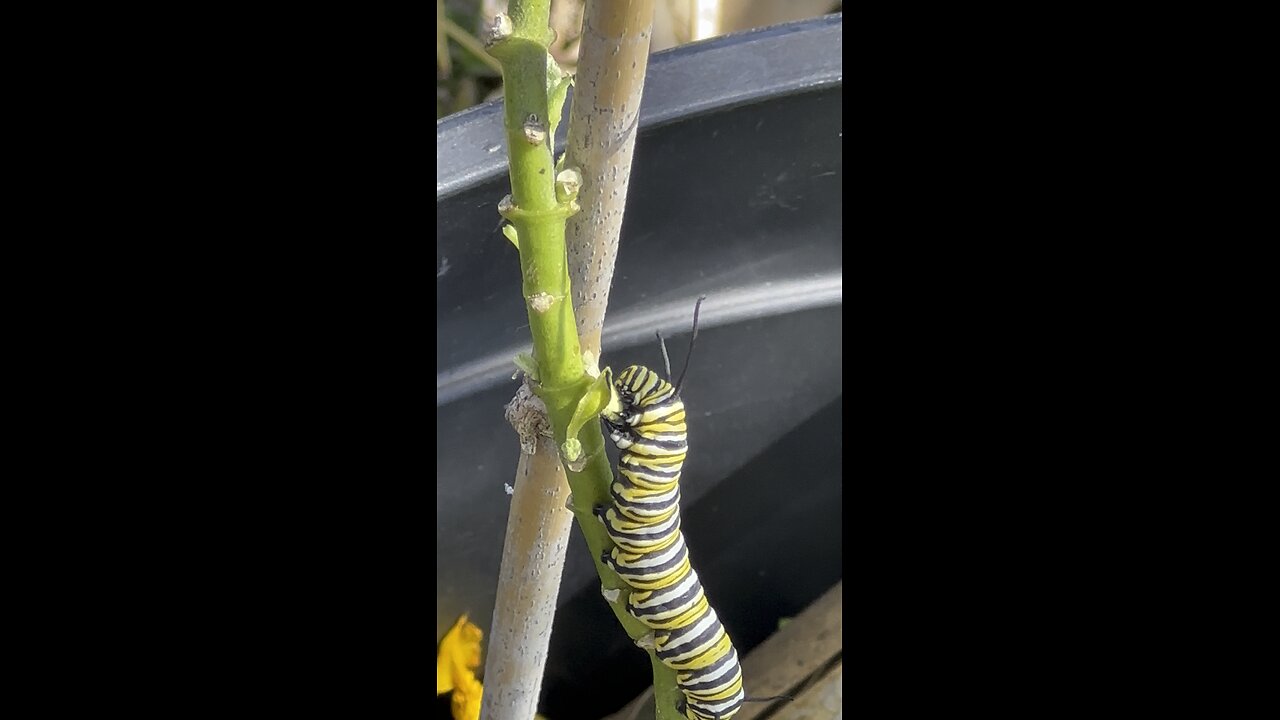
(634, 379)
(639, 382)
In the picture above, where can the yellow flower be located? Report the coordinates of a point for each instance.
(456, 663)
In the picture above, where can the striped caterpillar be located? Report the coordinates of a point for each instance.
(646, 420)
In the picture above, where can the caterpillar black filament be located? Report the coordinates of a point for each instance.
(646, 420)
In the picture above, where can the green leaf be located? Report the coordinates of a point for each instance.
(527, 364)
(558, 84)
(598, 396)
(509, 231)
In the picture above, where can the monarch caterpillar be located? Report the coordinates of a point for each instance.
(646, 420)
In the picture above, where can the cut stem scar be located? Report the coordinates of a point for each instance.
(542, 302)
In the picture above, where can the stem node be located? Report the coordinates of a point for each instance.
(568, 183)
(535, 133)
(500, 30)
(542, 302)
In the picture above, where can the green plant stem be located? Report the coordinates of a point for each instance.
(442, 45)
(591, 488)
(539, 220)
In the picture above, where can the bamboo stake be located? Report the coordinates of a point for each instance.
(612, 62)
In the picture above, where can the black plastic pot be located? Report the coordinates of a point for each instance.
(735, 194)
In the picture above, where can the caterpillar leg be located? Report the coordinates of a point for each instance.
(645, 641)
(606, 559)
(611, 594)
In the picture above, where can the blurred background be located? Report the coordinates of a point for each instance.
(466, 76)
